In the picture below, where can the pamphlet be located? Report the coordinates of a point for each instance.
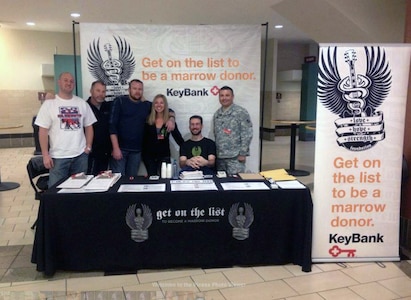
(75, 182)
(244, 185)
(103, 182)
(290, 184)
(193, 185)
(132, 188)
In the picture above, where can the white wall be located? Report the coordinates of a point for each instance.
(22, 52)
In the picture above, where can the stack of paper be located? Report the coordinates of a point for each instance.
(102, 182)
(277, 175)
(75, 182)
(191, 175)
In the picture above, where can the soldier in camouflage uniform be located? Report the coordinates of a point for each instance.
(233, 132)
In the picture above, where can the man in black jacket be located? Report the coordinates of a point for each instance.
(101, 149)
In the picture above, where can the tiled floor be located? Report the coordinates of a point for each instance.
(20, 280)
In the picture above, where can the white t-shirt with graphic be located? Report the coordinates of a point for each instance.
(65, 120)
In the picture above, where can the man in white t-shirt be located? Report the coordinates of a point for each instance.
(65, 124)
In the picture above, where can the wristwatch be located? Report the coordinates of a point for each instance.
(88, 148)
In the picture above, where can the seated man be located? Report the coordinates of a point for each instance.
(198, 153)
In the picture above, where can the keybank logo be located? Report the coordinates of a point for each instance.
(355, 238)
(186, 92)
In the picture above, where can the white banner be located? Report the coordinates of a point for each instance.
(362, 91)
(185, 63)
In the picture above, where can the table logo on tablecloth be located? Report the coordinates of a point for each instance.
(241, 218)
(139, 220)
(355, 97)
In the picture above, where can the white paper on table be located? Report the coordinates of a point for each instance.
(197, 181)
(290, 184)
(80, 190)
(244, 185)
(132, 188)
(74, 183)
(194, 186)
(102, 182)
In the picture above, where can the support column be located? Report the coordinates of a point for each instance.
(405, 239)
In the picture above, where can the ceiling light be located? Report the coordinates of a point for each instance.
(278, 26)
(75, 15)
(30, 23)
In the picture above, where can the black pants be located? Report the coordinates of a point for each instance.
(153, 165)
(98, 162)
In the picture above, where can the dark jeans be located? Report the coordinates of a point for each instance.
(128, 165)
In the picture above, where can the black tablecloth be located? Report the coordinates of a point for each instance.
(89, 231)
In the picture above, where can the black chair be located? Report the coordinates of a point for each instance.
(39, 177)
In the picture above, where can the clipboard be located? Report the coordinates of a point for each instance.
(251, 176)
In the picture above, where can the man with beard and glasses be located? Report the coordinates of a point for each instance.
(198, 153)
(127, 121)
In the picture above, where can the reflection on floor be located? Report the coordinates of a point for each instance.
(20, 280)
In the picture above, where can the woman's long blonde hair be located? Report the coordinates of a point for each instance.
(151, 120)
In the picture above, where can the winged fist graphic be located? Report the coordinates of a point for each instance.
(355, 98)
(139, 220)
(112, 71)
(241, 218)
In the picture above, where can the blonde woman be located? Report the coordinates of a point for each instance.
(156, 144)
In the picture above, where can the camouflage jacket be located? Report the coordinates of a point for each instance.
(233, 131)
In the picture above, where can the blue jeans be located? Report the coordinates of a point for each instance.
(128, 165)
(65, 167)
